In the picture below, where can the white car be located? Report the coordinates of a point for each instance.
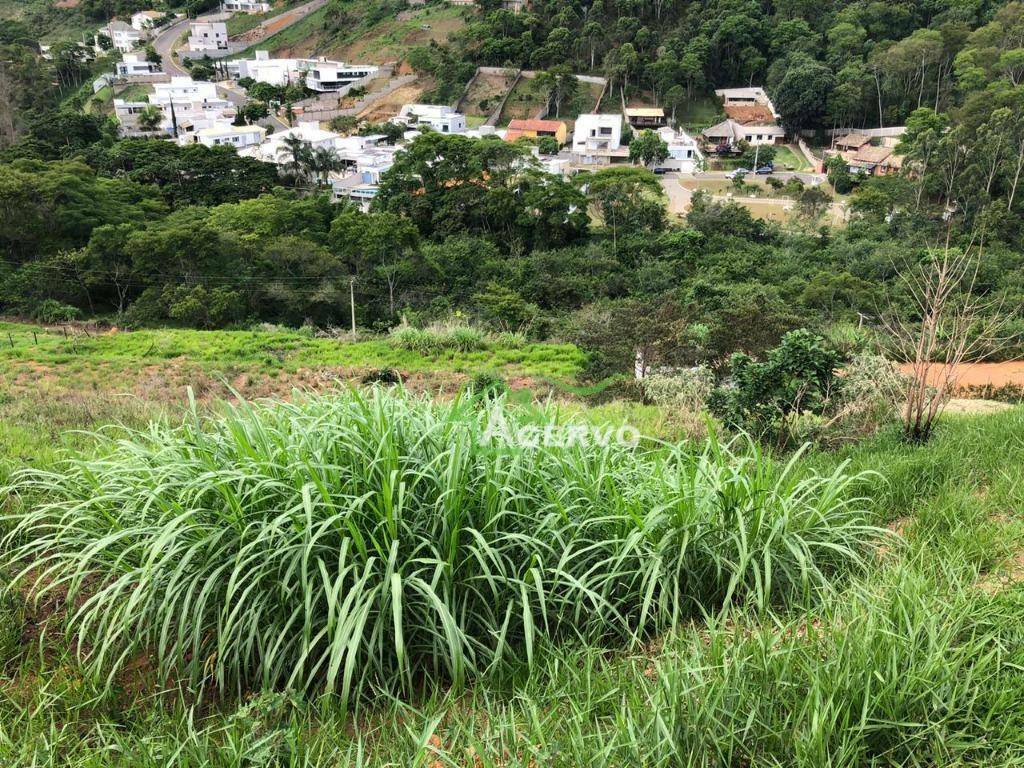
(738, 172)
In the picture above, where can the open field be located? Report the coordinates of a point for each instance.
(758, 665)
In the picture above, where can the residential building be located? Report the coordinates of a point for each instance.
(273, 150)
(725, 136)
(535, 129)
(597, 139)
(238, 136)
(145, 20)
(643, 118)
(124, 37)
(326, 76)
(135, 65)
(322, 75)
(462, 2)
(865, 157)
(683, 153)
(128, 114)
(438, 117)
(351, 189)
(208, 36)
(185, 90)
(516, 6)
(246, 6)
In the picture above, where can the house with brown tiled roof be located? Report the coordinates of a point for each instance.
(535, 129)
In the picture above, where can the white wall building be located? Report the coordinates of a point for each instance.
(124, 37)
(238, 136)
(208, 36)
(145, 20)
(185, 90)
(321, 75)
(273, 149)
(246, 6)
(598, 139)
(438, 117)
(683, 153)
(327, 76)
(134, 64)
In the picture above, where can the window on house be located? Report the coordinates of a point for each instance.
(605, 131)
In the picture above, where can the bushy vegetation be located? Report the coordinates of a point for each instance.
(354, 541)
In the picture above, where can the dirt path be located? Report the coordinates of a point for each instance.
(980, 374)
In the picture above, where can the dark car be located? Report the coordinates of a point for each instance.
(764, 170)
(660, 171)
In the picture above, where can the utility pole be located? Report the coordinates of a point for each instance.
(352, 303)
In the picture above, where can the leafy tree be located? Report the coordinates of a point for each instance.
(803, 94)
(648, 149)
(628, 200)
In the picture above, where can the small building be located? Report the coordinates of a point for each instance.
(438, 117)
(145, 20)
(516, 6)
(208, 36)
(867, 159)
(597, 139)
(237, 136)
(124, 37)
(643, 118)
(683, 153)
(746, 97)
(535, 129)
(462, 2)
(274, 150)
(135, 65)
(246, 6)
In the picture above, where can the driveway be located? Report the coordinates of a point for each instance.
(679, 197)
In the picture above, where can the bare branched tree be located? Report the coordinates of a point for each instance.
(951, 326)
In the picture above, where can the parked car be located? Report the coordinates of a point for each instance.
(764, 170)
(660, 171)
(737, 172)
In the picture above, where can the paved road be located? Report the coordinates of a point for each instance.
(804, 176)
(164, 42)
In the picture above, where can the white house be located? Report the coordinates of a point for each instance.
(133, 64)
(208, 36)
(124, 37)
(273, 149)
(246, 6)
(439, 117)
(598, 139)
(321, 75)
(683, 153)
(185, 90)
(325, 76)
(145, 20)
(238, 136)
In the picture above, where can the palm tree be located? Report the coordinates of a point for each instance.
(149, 118)
(322, 161)
(299, 154)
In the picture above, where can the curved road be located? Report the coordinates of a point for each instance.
(164, 43)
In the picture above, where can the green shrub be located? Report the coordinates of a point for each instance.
(356, 543)
(438, 337)
(53, 311)
(797, 377)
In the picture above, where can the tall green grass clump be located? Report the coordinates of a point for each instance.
(440, 337)
(355, 541)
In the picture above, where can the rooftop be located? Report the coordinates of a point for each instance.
(535, 125)
(645, 112)
(750, 114)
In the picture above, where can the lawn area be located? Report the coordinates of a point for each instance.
(912, 650)
(791, 159)
(699, 113)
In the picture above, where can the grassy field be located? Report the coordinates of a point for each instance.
(357, 41)
(845, 608)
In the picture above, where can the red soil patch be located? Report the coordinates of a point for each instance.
(67, 3)
(979, 374)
